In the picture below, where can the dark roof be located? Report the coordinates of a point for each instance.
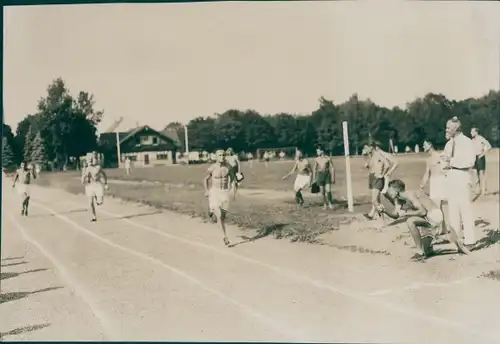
(110, 138)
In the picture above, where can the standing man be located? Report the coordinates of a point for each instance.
(434, 175)
(23, 178)
(460, 157)
(324, 175)
(127, 166)
(94, 188)
(482, 146)
(381, 165)
(250, 159)
(303, 179)
(222, 181)
(235, 165)
(266, 157)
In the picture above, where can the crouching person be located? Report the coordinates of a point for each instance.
(424, 218)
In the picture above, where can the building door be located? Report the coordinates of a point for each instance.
(146, 159)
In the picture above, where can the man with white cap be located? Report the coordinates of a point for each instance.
(460, 157)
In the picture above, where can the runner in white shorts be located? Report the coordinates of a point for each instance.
(94, 188)
(222, 182)
(304, 176)
(424, 217)
(22, 182)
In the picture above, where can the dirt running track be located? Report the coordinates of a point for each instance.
(140, 274)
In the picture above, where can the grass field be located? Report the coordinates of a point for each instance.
(179, 188)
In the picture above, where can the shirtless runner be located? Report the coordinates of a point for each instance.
(303, 169)
(94, 188)
(381, 165)
(424, 218)
(23, 178)
(219, 183)
(324, 176)
(234, 163)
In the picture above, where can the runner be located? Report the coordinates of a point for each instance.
(381, 166)
(424, 218)
(482, 147)
(94, 188)
(435, 176)
(303, 179)
(324, 175)
(23, 178)
(222, 181)
(235, 165)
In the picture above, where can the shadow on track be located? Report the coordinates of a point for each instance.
(7, 275)
(22, 330)
(7, 297)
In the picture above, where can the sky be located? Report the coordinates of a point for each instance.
(158, 63)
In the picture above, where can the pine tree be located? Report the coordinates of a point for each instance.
(37, 154)
(8, 158)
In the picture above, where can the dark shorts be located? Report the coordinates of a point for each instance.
(480, 164)
(324, 178)
(375, 183)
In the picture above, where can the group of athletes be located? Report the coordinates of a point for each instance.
(422, 212)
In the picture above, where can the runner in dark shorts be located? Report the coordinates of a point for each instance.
(375, 183)
(324, 176)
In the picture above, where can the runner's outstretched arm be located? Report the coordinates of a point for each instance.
(15, 179)
(294, 168)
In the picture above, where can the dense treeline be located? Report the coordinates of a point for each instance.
(424, 118)
(62, 129)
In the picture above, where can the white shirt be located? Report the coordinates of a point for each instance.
(463, 155)
(481, 145)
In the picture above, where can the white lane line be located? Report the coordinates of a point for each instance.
(286, 331)
(452, 324)
(422, 285)
(110, 329)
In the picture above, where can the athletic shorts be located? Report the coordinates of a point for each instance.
(301, 182)
(375, 183)
(218, 199)
(95, 190)
(480, 164)
(431, 223)
(324, 178)
(23, 189)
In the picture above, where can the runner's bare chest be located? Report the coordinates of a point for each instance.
(220, 176)
(323, 164)
(24, 176)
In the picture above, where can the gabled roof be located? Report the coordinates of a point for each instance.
(110, 138)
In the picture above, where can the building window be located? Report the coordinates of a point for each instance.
(144, 140)
(161, 156)
(132, 157)
(155, 140)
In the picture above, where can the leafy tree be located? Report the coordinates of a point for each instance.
(8, 157)
(179, 129)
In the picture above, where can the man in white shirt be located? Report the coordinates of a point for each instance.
(481, 146)
(460, 157)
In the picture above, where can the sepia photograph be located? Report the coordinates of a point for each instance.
(251, 171)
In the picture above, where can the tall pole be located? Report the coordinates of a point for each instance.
(186, 140)
(350, 200)
(118, 148)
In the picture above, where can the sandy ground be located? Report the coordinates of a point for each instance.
(141, 274)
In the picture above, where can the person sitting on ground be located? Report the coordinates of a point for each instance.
(424, 218)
